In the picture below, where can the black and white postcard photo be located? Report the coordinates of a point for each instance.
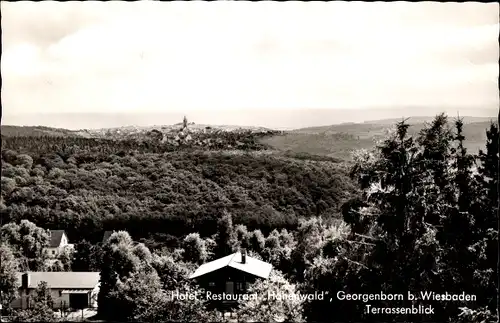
(239, 161)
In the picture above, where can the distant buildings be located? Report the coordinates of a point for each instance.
(74, 290)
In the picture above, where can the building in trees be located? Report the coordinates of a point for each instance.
(58, 241)
(230, 276)
(75, 290)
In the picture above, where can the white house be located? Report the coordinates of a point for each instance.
(75, 290)
(58, 241)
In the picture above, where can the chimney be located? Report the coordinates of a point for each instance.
(25, 281)
(243, 256)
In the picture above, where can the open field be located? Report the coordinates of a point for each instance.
(340, 140)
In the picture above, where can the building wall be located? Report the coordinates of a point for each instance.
(216, 283)
(16, 303)
(52, 252)
(60, 300)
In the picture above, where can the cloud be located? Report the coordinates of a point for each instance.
(153, 56)
(44, 23)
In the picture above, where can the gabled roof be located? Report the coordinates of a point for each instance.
(62, 279)
(55, 238)
(252, 266)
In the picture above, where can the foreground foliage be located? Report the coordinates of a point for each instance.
(136, 285)
(426, 221)
(272, 309)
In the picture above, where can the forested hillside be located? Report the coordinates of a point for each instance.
(87, 186)
(416, 213)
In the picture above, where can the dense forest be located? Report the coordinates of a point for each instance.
(167, 193)
(418, 212)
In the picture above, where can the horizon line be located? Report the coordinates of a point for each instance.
(489, 118)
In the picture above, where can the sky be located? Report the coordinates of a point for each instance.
(122, 61)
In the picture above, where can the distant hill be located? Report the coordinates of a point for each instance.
(334, 141)
(157, 139)
(341, 140)
(35, 131)
(384, 123)
(422, 119)
(126, 132)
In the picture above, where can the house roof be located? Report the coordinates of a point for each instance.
(252, 266)
(55, 238)
(62, 280)
(106, 236)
